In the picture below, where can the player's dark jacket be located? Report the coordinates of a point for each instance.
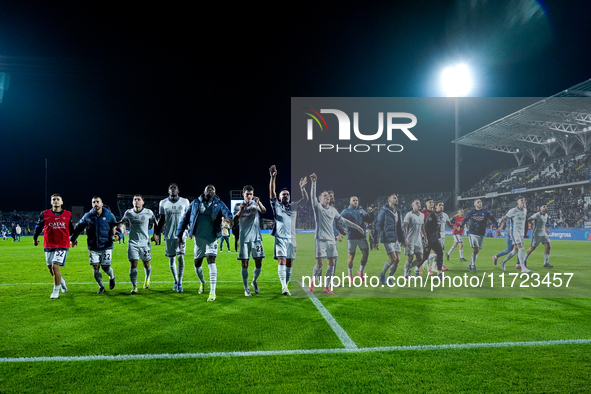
(358, 216)
(389, 226)
(218, 210)
(99, 229)
(432, 228)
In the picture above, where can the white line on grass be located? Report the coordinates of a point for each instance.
(336, 327)
(124, 357)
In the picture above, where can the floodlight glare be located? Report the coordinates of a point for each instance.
(456, 80)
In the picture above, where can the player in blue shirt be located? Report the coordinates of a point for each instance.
(478, 219)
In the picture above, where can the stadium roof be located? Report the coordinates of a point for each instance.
(562, 120)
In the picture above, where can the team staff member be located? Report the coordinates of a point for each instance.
(100, 227)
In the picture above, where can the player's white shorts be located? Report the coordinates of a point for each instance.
(326, 249)
(352, 245)
(254, 248)
(539, 239)
(102, 257)
(458, 238)
(476, 241)
(139, 252)
(56, 256)
(283, 248)
(516, 238)
(172, 247)
(411, 249)
(392, 247)
(204, 248)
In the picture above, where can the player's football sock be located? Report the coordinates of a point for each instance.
(385, 269)
(546, 259)
(172, 264)
(461, 253)
(431, 263)
(245, 277)
(525, 258)
(520, 257)
(406, 268)
(350, 271)
(281, 273)
(509, 256)
(133, 276)
(329, 275)
(181, 271)
(199, 272)
(362, 267)
(63, 286)
(148, 272)
(110, 273)
(393, 268)
(98, 276)
(287, 274)
(213, 277)
(451, 250)
(257, 273)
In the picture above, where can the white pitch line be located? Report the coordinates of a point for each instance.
(168, 356)
(336, 327)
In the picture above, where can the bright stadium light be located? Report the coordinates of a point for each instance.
(456, 81)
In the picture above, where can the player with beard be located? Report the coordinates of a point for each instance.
(540, 234)
(518, 218)
(171, 211)
(391, 233)
(284, 230)
(204, 218)
(478, 219)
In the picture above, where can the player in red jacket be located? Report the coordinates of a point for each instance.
(56, 224)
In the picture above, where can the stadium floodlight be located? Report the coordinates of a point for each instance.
(456, 81)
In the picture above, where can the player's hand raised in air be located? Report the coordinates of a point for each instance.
(313, 177)
(273, 171)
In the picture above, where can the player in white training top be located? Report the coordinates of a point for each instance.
(284, 251)
(171, 211)
(251, 242)
(138, 244)
(326, 246)
(540, 234)
(414, 229)
(518, 217)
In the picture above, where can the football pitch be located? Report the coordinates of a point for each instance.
(162, 341)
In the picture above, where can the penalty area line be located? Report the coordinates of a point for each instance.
(336, 327)
(168, 356)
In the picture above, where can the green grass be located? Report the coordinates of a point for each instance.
(158, 321)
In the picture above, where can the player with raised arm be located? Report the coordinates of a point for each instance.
(457, 234)
(251, 242)
(204, 218)
(56, 224)
(325, 243)
(478, 219)
(138, 244)
(390, 231)
(415, 230)
(359, 216)
(443, 222)
(171, 211)
(540, 234)
(518, 218)
(284, 230)
(100, 225)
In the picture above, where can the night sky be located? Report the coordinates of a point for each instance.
(128, 100)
